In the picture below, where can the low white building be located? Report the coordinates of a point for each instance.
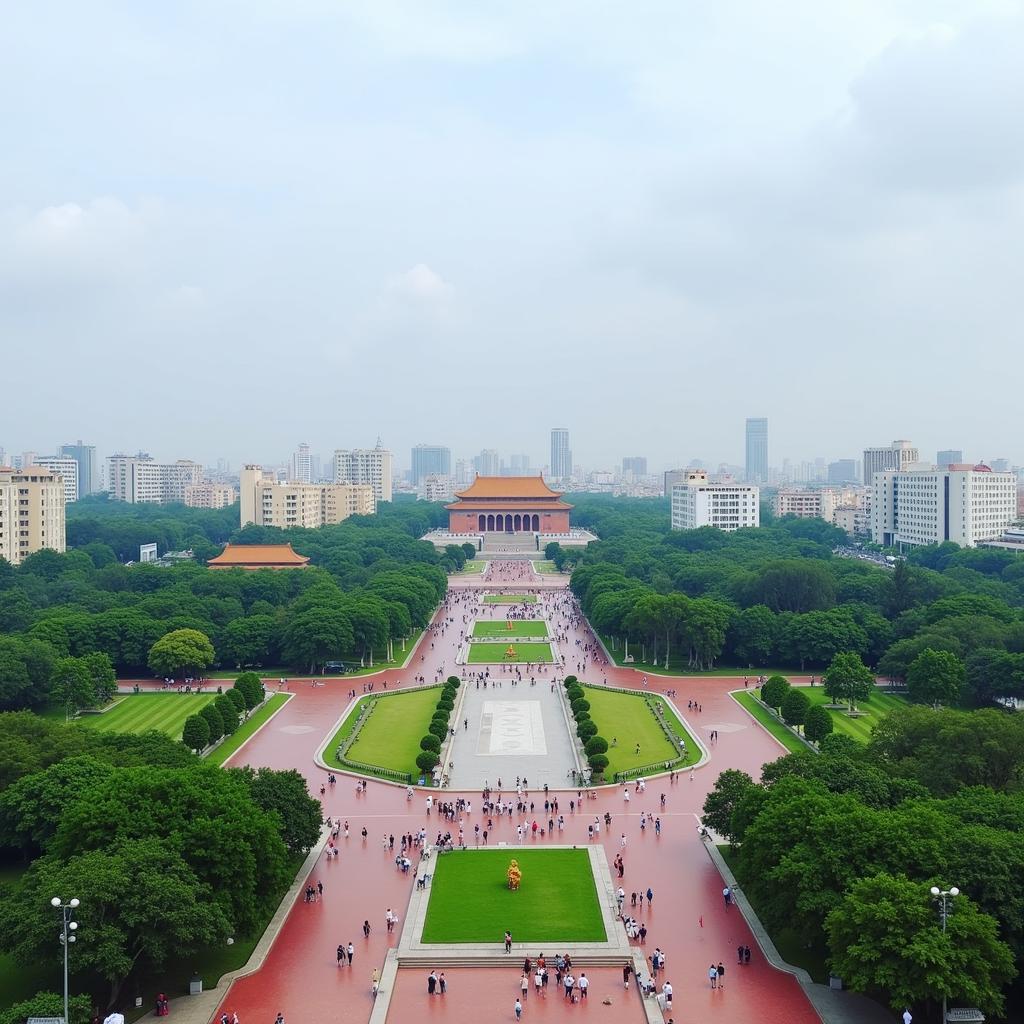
(924, 505)
(697, 502)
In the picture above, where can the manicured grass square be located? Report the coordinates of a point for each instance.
(470, 900)
(510, 598)
(390, 737)
(493, 654)
(629, 720)
(140, 712)
(870, 712)
(500, 627)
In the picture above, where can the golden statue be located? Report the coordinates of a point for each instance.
(515, 876)
(510, 651)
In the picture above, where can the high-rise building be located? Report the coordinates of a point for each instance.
(948, 457)
(31, 512)
(85, 456)
(634, 467)
(464, 472)
(266, 502)
(999, 465)
(757, 450)
(961, 503)
(842, 471)
(519, 465)
(67, 469)
(696, 503)
(430, 460)
(896, 456)
(371, 466)
(487, 463)
(139, 479)
(673, 477)
(302, 465)
(561, 454)
(210, 495)
(436, 488)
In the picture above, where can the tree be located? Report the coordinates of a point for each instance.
(730, 787)
(936, 677)
(752, 635)
(195, 733)
(817, 723)
(886, 935)
(774, 691)
(48, 1004)
(430, 742)
(71, 686)
(848, 679)
(596, 745)
(228, 713)
(250, 686)
(427, 761)
(213, 720)
(286, 794)
(794, 707)
(237, 701)
(141, 903)
(598, 762)
(314, 636)
(247, 641)
(794, 585)
(182, 650)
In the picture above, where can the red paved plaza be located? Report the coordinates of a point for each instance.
(688, 919)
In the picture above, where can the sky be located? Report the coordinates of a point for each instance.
(227, 227)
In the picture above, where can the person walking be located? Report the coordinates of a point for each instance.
(518, 1008)
(431, 983)
(583, 984)
(508, 941)
(666, 991)
(442, 984)
(351, 949)
(341, 955)
(721, 974)
(713, 976)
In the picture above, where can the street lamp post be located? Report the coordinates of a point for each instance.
(944, 896)
(67, 936)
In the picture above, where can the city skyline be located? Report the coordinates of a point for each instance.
(571, 215)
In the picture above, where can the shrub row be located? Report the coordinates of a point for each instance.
(430, 746)
(221, 717)
(595, 746)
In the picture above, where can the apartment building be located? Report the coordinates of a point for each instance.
(925, 505)
(66, 468)
(210, 495)
(730, 506)
(371, 466)
(436, 488)
(140, 479)
(895, 456)
(266, 502)
(31, 512)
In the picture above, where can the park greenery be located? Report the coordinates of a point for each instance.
(372, 584)
(844, 846)
(778, 596)
(171, 855)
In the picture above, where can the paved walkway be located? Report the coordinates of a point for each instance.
(301, 978)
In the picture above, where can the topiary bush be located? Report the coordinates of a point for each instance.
(438, 729)
(598, 763)
(453, 681)
(586, 729)
(426, 760)
(569, 680)
(580, 705)
(430, 742)
(596, 745)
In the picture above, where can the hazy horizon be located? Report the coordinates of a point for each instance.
(227, 229)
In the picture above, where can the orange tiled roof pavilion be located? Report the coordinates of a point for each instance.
(258, 556)
(508, 504)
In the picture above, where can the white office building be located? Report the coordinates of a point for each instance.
(731, 506)
(371, 466)
(67, 469)
(924, 505)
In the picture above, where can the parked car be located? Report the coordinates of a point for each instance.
(335, 668)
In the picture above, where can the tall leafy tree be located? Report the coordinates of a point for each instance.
(936, 677)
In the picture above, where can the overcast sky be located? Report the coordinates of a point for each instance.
(227, 227)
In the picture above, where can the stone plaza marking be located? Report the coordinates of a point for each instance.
(512, 727)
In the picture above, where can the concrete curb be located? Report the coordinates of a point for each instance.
(807, 743)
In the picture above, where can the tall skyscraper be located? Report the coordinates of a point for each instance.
(896, 456)
(519, 465)
(487, 463)
(634, 466)
(757, 450)
(302, 465)
(949, 457)
(85, 456)
(561, 454)
(430, 460)
(843, 471)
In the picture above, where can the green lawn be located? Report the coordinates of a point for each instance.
(390, 736)
(470, 900)
(747, 701)
(472, 568)
(510, 598)
(628, 719)
(140, 712)
(500, 627)
(678, 666)
(248, 727)
(872, 711)
(494, 654)
(545, 567)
